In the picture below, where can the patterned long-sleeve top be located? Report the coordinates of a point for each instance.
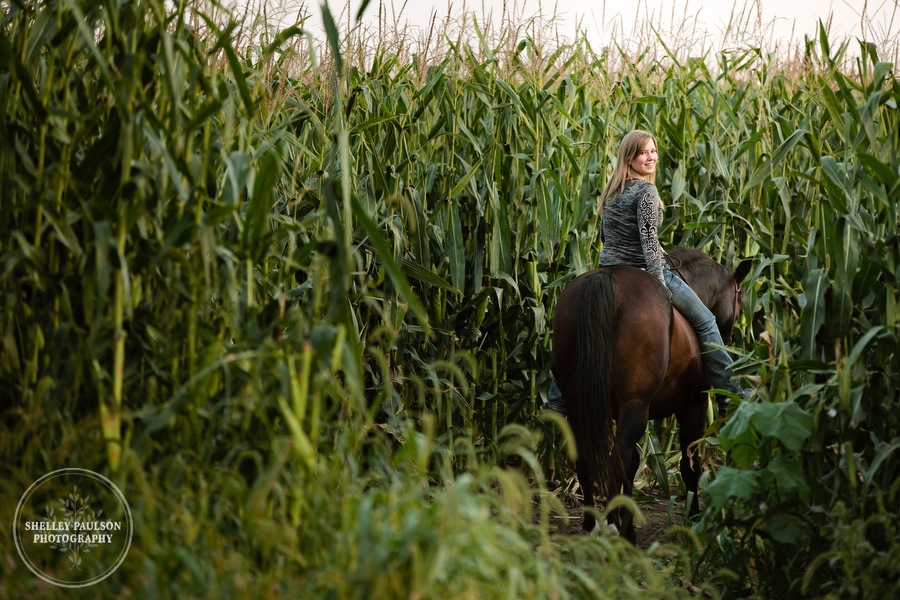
(630, 229)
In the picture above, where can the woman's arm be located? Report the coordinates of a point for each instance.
(648, 227)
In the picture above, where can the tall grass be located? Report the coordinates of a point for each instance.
(296, 302)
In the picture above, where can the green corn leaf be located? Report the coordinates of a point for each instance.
(766, 168)
(286, 34)
(456, 250)
(427, 276)
(471, 171)
(657, 460)
(812, 310)
(390, 264)
(331, 32)
(256, 218)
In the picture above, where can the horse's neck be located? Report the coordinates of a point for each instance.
(707, 290)
(697, 283)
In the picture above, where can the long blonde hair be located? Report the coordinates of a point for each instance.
(632, 145)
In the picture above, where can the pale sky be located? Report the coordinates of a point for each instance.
(601, 20)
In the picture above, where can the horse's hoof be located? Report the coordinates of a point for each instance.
(612, 530)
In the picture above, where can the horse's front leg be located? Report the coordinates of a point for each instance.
(691, 424)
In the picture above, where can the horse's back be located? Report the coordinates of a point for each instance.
(643, 318)
(638, 291)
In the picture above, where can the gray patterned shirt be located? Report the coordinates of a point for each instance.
(630, 229)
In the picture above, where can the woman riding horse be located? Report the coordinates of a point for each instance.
(631, 209)
(622, 355)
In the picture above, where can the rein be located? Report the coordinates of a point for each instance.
(674, 265)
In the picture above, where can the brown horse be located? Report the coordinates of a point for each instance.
(622, 353)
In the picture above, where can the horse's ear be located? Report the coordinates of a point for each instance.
(742, 270)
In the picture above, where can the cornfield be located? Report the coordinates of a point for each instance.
(295, 301)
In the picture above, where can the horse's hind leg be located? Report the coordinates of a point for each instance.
(587, 491)
(631, 424)
(691, 423)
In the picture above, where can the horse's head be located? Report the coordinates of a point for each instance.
(718, 287)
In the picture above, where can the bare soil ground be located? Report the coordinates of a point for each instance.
(660, 512)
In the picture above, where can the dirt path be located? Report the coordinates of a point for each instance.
(656, 511)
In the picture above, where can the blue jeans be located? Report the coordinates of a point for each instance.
(716, 361)
(554, 397)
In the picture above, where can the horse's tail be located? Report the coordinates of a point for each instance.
(596, 351)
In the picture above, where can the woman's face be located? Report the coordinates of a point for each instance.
(644, 164)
